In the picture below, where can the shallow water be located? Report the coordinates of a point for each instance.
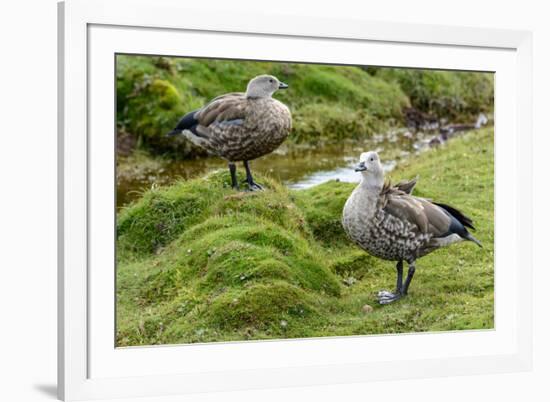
(298, 166)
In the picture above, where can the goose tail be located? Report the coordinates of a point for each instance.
(463, 219)
(464, 222)
(470, 237)
(187, 122)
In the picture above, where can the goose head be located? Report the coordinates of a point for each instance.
(371, 169)
(264, 86)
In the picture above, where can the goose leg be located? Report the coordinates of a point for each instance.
(252, 186)
(399, 284)
(387, 297)
(410, 275)
(233, 171)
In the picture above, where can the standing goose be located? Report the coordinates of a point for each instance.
(240, 126)
(390, 223)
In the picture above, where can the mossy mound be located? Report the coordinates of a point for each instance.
(322, 206)
(220, 260)
(199, 262)
(164, 213)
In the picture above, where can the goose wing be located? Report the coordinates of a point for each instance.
(220, 115)
(225, 109)
(419, 212)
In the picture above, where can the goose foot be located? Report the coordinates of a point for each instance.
(254, 186)
(387, 297)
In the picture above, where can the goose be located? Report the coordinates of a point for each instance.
(390, 223)
(240, 126)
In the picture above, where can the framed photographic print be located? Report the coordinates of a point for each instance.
(248, 205)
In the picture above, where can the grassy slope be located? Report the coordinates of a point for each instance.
(198, 262)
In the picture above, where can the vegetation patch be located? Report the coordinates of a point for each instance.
(454, 95)
(328, 102)
(199, 262)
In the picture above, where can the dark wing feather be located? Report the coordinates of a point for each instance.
(187, 122)
(466, 221)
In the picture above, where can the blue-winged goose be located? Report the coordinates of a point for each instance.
(240, 126)
(390, 223)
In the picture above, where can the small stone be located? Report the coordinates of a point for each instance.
(349, 281)
(367, 309)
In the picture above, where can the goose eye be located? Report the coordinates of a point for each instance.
(371, 159)
(270, 80)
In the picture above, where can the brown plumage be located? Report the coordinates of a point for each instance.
(389, 222)
(240, 126)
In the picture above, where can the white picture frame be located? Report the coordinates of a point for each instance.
(91, 32)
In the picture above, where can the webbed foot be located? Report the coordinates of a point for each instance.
(253, 186)
(387, 297)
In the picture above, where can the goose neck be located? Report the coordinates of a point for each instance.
(372, 183)
(254, 94)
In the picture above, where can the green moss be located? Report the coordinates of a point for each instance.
(326, 121)
(456, 95)
(167, 95)
(260, 306)
(357, 264)
(199, 262)
(206, 244)
(322, 206)
(159, 217)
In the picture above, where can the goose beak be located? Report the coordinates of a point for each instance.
(282, 85)
(361, 167)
